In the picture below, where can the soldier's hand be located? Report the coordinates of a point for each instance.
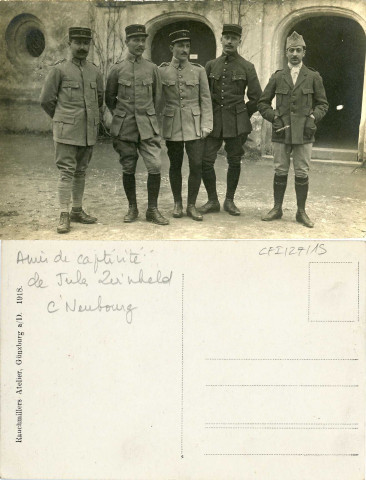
(310, 127)
(277, 123)
(205, 132)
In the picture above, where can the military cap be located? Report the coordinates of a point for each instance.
(179, 36)
(232, 28)
(295, 40)
(135, 30)
(80, 32)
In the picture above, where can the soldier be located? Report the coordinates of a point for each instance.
(229, 76)
(133, 91)
(187, 119)
(72, 96)
(300, 105)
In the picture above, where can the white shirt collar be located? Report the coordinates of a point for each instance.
(295, 67)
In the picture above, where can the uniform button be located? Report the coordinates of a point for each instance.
(223, 83)
(224, 69)
(225, 63)
(180, 76)
(182, 105)
(181, 98)
(223, 76)
(222, 105)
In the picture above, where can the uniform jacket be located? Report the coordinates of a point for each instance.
(71, 96)
(133, 91)
(229, 77)
(295, 104)
(187, 101)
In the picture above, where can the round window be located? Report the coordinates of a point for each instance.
(34, 42)
(25, 39)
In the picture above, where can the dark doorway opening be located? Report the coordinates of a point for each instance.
(203, 44)
(336, 49)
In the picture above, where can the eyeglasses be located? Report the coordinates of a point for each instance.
(295, 49)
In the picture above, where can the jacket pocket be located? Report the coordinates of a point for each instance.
(191, 82)
(243, 124)
(168, 119)
(93, 86)
(309, 128)
(71, 87)
(280, 92)
(147, 83)
(61, 117)
(63, 125)
(117, 122)
(196, 112)
(213, 77)
(124, 88)
(168, 83)
(153, 120)
(308, 96)
(239, 81)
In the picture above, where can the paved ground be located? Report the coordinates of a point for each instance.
(28, 203)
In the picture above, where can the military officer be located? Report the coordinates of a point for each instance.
(72, 96)
(187, 119)
(301, 103)
(230, 75)
(133, 91)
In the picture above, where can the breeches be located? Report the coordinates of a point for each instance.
(194, 151)
(233, 148)
(128, 154)
(301, 155)
(72, 160)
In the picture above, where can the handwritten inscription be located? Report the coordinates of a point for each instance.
(298, 250)
(98, 282)
(73, 305)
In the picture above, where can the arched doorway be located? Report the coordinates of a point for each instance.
(336, 49)
(203, 43)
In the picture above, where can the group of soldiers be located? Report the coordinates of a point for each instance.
(192, 108)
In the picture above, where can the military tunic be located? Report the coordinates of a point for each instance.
(294, 104)
(230, 76)
(132, 93)
(71, 96)
(187, 100)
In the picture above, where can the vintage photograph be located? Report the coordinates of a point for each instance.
(172, 119)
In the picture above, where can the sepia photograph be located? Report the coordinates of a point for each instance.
(175, 119)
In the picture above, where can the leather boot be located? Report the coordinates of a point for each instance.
(153, 215)
(132, 214)
(178, 210)
(194, 213)
(64, 225)
(81, 217)
(230, 207)
(279, 188)
(210, 207)
(301, 189)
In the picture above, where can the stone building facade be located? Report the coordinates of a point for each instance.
(34, 37)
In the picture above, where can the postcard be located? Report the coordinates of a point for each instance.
(214, 360)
